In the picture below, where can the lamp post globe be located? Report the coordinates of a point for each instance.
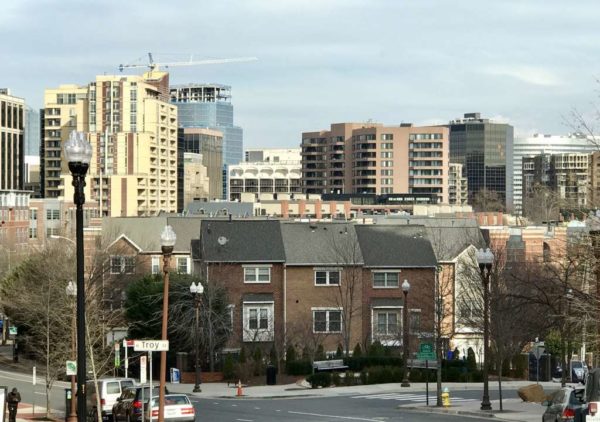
(78, 153)
(168, 238)
(405, 334)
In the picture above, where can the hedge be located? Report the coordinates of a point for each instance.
(319, 379)
(298, 367)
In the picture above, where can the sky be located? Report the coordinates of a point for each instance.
(526, 62)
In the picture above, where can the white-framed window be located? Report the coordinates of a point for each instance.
(386, 322)
(327, 277)
(327, 320)
(387, 172)
(183, 265)
(387, 181)
(387, 145)
(387, 154)
(33, 232)
(257, 274)
(414, 321)
(258, 321)
(387, 136)
(120, 264)
(155, 264)
(387, 164)
(230, 311)
(384, 280)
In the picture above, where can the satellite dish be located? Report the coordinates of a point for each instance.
(222, 240)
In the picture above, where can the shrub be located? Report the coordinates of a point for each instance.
(471, 361)
(357, 351)
(229, 368)
(349, 379)
(290, 354)
(319, 379)
(336, 379)
(364, 376)
(451, 375)
(299, 367)
(376, 349)
(339, 351)
(359, 363)
(243, 355)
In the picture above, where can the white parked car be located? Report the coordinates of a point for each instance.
(178, 408)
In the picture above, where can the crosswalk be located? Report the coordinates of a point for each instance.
(415, 398)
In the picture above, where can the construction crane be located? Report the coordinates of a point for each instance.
(152, 65)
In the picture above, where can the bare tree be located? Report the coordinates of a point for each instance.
(486, 200)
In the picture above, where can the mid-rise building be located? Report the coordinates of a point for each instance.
(12, 141)
(527, 147)
(133, 132)
(209, 106)
(565, 174)
(209, 144)
(14, 220)
(458, 186)
(481, 146)
(376, 159)
(266, 171)
(195, 179)
(32, 132)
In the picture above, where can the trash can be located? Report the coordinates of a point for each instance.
(271, 375)
(68, 399)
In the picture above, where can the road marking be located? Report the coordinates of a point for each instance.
(417, 398)
(40, 393)
(349, 418)
(245, 420)
(213, 402)
(234, 405)
(257, 408)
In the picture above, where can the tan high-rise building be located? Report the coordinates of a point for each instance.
(208, 143)
(195, 179)
(373, 158)
(133, 131)
(458, 190)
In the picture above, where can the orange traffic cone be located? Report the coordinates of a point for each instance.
(240, 392)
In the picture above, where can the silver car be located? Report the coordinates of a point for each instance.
(178, 408)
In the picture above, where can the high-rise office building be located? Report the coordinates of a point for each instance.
(481, 146)
(373, 158)
(32, 132)
(133, 131)
(209, 106)
(209, 144)
(12, 141)
(538, 144)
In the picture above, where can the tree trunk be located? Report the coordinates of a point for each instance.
(500, 383)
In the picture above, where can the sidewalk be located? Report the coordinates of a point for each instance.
(25, 413)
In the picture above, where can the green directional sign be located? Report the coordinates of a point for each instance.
(71, 367)
(12, 330)
(426, 352)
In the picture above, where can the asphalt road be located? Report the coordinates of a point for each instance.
(371, 407)
(35, 394)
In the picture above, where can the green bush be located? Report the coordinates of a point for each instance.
(299, 367)
(290, 354)
(381, 375)
(451, 375)
(229, 368)
(339, 352)
(471, 361)
(357, 351)
(336, 379)
(349, 379)
(376, 349)
(319, 379)
(364, 376)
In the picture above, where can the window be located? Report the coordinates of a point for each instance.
(327, 277)
(387, 164)
(387, 172)
(113, 388)
(52, 214)
(386, 323)
(32, 232)
(387, 136)
(257, 274)
(182, 265)
(258, 321)
(327, 321)
(414, 321)
(155, 264)
(387, 181)
(383, 280)
(122, 264)
(33, 214)
(387, 145)
(387, 154)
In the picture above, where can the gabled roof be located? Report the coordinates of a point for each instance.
(394, 246)
(321, 244)
(449, 237)
(248, 241)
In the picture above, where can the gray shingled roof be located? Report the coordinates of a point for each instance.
(449, 237)
(320, 243)
(243, 241)
(387, 246)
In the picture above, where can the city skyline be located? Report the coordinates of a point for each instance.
(332, 61)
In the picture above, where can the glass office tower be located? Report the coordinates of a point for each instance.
(209, 106)
(481, 146)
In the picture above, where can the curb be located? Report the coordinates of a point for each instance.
(246, 397)
(458, 412)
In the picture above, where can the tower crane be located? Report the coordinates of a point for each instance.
(152, 65)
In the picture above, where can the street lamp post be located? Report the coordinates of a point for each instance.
(405, 336)
(569, 297)
(196, 290)
(485, 258)
(167, 242)
(72, 292)
(78, 153)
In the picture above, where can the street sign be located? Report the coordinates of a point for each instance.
(151, 345)
(426, 352)
(12, 330)
(143, 361)
(128, 343)
(539, 349)
(71, 367)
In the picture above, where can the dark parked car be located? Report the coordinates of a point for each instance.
(129, 405)
(567, 405)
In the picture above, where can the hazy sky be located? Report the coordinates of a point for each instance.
(324, 61)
